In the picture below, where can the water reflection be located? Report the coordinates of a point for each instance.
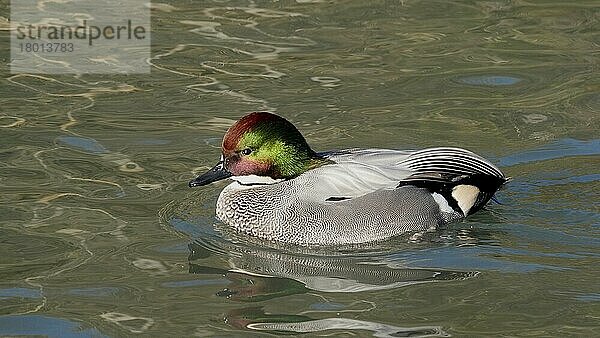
(256, 274)
(489, 80)
(36, 325)
(319, 273)
(255, 318)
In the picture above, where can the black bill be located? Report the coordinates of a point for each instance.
(217, 173)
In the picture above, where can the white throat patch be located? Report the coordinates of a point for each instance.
(254, 179)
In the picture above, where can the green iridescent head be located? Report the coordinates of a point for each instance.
(263, 144)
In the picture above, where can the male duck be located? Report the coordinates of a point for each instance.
(284, 191)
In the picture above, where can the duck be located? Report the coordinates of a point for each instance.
(283, 191)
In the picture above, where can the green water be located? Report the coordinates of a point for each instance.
(100, 235)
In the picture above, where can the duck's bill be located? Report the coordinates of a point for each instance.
(217, 173)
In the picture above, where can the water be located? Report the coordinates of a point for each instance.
(101, 236)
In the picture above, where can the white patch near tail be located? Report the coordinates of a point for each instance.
(441, 201)
(465, 196)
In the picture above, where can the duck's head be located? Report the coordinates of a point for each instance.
(261, 148)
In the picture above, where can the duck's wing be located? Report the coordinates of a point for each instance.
(374, 156)
(465, 180)
(453, 161)
(355, 172)
(460, 180)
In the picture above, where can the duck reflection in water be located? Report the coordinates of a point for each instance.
(255, 318)
(268, 270)
(257, 274)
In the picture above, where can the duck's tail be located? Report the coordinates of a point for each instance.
(466, 181)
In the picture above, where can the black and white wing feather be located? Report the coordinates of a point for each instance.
(466, 181)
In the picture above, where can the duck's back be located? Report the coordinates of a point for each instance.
(352, 201)
(363, 195)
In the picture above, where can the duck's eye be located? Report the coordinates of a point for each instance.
(247, 151)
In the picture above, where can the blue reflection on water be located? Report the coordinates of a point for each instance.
(474, 258)
(489, 80)
(45, 326)
(82, 143)
(19, 293)
(559, 149)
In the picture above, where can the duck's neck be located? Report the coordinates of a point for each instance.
(298, 162)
